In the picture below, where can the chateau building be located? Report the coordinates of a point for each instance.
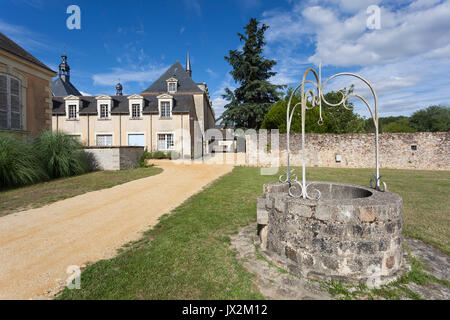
(172, 114)
(25, 95)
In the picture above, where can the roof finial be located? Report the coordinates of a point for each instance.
(188, 64)
(119, 89)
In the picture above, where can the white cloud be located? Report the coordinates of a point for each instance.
(145, 77)
(407, 60)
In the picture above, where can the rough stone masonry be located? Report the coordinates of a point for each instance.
(352, 233)
(421, 150)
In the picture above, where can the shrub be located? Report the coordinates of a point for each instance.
(143, 160)
(159, 155)
(173, 155)
(61, 155)
(18, 162)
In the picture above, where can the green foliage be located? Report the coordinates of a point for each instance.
(398, 126)
(340, 119)
(60, 154)
(255, 95)
(158, 155)
(143, 160)
(276, 117)
(431, 119)
(173, 155)
(18, 162)
(335, 119)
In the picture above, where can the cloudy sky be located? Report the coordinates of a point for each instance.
(407, 58)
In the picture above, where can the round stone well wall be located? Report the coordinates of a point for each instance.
(352, 233)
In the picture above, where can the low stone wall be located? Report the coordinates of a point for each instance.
(422, 150)
(115, 158)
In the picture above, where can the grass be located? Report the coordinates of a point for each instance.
(187, 255)
(38, 195)
(393, 291)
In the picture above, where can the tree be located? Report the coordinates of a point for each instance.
(335, 119)
(276, 117)
(433, 118)
(398, 126)
(340, 119)
(256, 95)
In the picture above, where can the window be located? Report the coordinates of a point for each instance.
(172, 87)
(136, 139)
(136, 111)
(72, 111)
(165, 109)
(165, 141)
(10, 103)
(104, 112)
(104, 140)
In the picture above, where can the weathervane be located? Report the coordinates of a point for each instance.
(316, 97)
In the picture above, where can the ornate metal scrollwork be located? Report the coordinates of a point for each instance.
(315, 97)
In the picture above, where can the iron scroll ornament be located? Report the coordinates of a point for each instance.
(315, 97)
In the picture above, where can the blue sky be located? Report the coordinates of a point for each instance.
(407, 59)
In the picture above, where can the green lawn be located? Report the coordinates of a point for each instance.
(187, 254)
(40, 194)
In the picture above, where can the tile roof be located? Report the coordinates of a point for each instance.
(62, 88)
(8, 45)
(185, 83)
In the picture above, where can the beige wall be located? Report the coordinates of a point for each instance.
(188, 129)
(121, 125)
(36, 92)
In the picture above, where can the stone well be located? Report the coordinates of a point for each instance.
(352, 233)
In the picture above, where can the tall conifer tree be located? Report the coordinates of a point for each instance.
(250, 102)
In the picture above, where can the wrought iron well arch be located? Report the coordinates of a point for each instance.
(316, 100)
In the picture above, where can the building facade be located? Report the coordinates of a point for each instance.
(170, 115)
(25, 95)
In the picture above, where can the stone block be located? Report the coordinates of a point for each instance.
(323, 212)
(367, 214)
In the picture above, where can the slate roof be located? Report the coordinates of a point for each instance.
(8, 45)
(185, 83)
(182, 104)
(62, 88)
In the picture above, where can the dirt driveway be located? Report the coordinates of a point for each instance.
(37, 246)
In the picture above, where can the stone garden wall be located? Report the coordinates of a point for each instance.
(115, 158)
(422, 150)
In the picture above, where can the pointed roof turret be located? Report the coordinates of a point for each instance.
(188, 65)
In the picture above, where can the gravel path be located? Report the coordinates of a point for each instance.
(37, 246)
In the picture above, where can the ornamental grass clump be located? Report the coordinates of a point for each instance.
(61, 155)
(19, 164)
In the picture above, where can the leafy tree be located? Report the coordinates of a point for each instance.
(398, 126)
(433, 118)
(386, 124)
(256, 95)
(276, 117)
(335, 119)
(340, 119)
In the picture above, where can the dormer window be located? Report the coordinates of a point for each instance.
(104, 106)
(165, 109)
(136, 106)
(72, 107)
(172, 84)
(136, 111)
(72, 112)
(104, 111)
(165, 105)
